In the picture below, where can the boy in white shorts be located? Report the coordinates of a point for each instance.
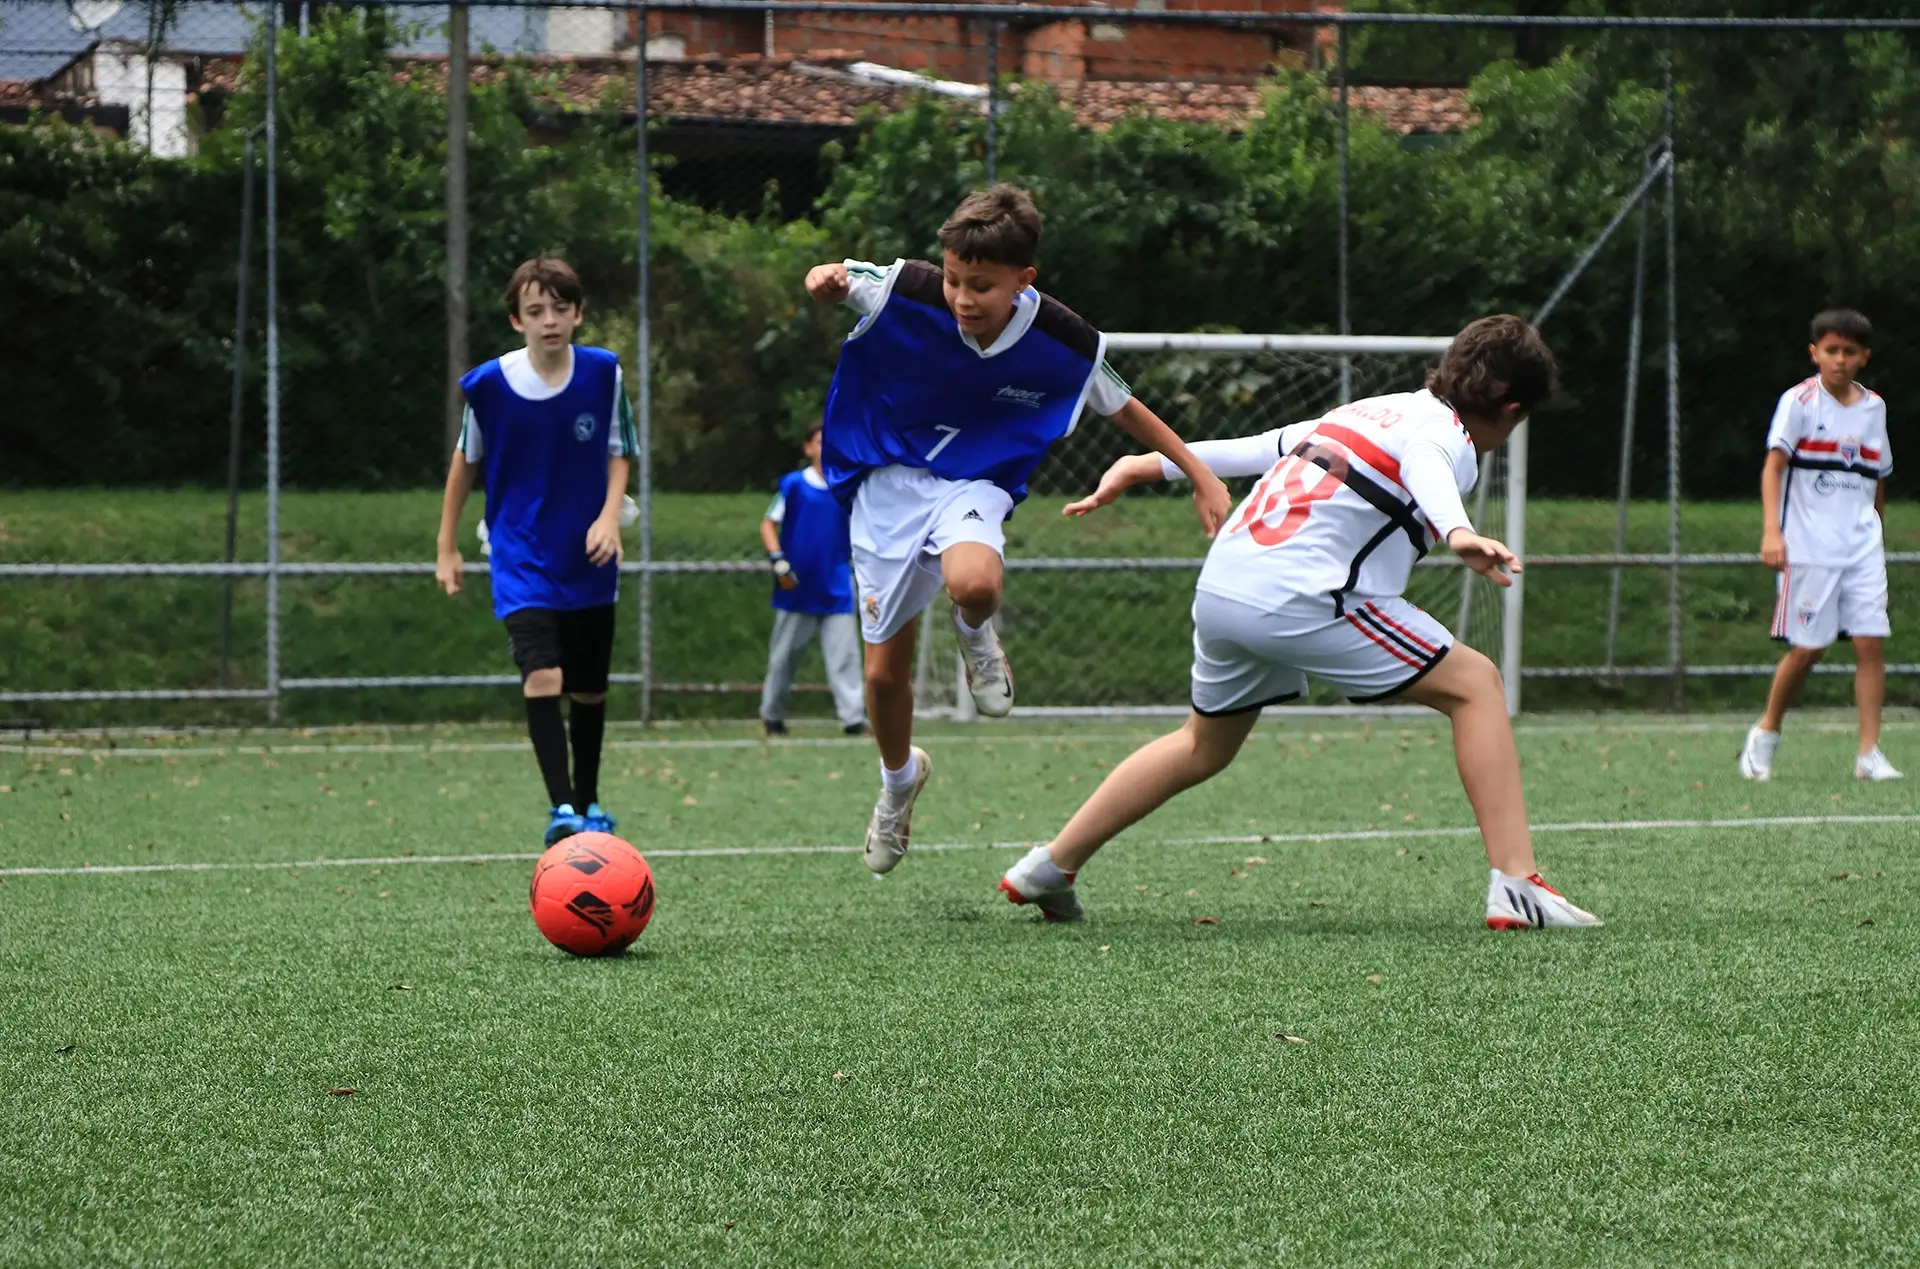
(1306, 580)
(949, 392)
(1823, 493)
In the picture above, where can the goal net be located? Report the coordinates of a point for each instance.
(1102, 625)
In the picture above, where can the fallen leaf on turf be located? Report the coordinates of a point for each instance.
(841, 1075)
(486, 899)
(1139, 887)
(1399, 852)
(1256, 860)
(66, 1048)
(1868, 921)
(1192, 893)
(1290, 1039)
(343, 1092)
(1106, 947)
(689, 800)
(1206, 920)
(373, 801)
(1234, 872)
(1376, 978)
(1841, 876)
(1321, 903)
(1818, 898)
(386, 894)
(399, 987)
(730, 1225)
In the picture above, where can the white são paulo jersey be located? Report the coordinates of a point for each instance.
(1351, 501)
(1837, 456)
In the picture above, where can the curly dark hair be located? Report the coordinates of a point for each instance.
(999, 225)
(1495, 361)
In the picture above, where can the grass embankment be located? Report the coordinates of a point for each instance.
(1093, 638)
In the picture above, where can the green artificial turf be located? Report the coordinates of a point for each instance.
(1077, 639)
(800, 1065)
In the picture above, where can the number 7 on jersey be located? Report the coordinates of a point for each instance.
(945, 441)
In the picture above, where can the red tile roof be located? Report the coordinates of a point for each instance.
(821, 91)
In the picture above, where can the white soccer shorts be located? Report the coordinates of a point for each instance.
(903, 520)
(1245, 658)
(1818, 603)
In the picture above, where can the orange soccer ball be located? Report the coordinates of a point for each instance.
(592, 894)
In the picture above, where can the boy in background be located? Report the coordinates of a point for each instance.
(806, 536)
(952, 388)
(1823, 494)
(549, 429)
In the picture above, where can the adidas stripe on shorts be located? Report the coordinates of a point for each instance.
(1245, 657)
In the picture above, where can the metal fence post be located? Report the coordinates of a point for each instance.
(457, 353)
(1634, 335)
(993, 102)
(1343, 316)
(238, 406)
(1676, 624)
(273, 363)
(643, 370)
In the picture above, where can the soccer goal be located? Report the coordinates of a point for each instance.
(1133, 658)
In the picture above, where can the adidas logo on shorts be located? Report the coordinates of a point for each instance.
(974, 515)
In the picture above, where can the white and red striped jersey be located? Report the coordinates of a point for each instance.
(1837, 455)
(1350, 504)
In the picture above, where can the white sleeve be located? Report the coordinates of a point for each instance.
(777, 512)
(471, 443)
(1241, 456)
(1108, 394)
(1789, 422)
(1436, 479)
(867, 285)
(622, 439)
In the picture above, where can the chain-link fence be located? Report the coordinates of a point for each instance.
(1267, 171)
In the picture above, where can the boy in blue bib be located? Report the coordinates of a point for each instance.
(957, 380)
(805, 533)
(550, 431)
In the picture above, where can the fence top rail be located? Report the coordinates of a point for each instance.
(1148, 341)
(1215, 17)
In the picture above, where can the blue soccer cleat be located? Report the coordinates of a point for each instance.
(564, 822)
(598, 821)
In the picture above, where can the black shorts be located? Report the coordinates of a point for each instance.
(578, 642)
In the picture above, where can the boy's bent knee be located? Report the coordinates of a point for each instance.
(543, 682)
(1869, 649)
(975, 592)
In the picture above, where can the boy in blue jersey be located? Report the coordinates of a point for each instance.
(956, 382)
(551, 430)
(805, 533)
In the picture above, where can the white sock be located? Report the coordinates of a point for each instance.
(1041, 868)
(969, 632)
(902, 780)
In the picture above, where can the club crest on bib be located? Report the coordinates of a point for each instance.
(1808, 610)
(583, 427)
(1849, 449)
(872, 604)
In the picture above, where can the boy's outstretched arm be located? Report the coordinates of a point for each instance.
(1239, 456)
(448, 567)
(1210, 498)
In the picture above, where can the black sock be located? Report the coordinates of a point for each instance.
(549, 736)
(589, 724)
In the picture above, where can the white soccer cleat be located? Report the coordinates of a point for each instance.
(1756, 756)
(1057, 901)
(1529, 903)
(989, 676)
(887, 831)
(1873, 765)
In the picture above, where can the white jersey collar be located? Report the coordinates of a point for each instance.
(1026, 306)
(517, 368)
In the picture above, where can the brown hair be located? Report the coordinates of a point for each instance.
(551, 274)
(1495, 361)
(1844, 322)
(999, 225)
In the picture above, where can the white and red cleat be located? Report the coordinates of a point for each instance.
(1056, 900)
(1529, 903)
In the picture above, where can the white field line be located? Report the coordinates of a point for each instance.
(1240, 839)
(988, 736)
